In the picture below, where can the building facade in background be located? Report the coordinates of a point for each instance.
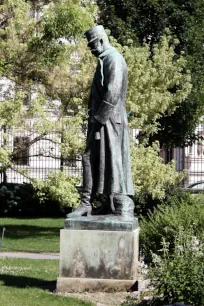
(190, 158)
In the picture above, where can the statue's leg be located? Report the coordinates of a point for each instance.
(124, 205)
(85, 207)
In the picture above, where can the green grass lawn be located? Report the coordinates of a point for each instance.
(31, 235)
(32, 283)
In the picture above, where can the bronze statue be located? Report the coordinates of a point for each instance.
(106, 161)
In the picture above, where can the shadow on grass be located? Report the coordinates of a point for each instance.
(27, 282)
(135, 302)
(25, 231)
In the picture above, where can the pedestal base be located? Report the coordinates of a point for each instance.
(65, 284)
(103, 257)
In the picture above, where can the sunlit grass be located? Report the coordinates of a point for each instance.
(31, 235)
(32, 283)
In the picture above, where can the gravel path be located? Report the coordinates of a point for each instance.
(101, 298)
(54, 256)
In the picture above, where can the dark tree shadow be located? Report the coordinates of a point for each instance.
(27, 282)
(25, 231)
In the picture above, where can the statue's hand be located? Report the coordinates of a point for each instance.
(96, 125)
(96, 129)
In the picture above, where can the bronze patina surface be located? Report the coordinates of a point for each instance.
(106, 160)
(105, 223)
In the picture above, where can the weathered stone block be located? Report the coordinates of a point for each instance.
(102, 260)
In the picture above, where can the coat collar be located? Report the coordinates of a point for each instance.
(107, 51)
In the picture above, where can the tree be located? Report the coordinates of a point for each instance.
(35, 64)
(147, 21)
(158, 84)
(48, 64)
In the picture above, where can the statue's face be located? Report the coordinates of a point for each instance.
(96, 47)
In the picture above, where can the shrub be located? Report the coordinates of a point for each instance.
(172, 192)
(10, 199)
(165, 220)
(20, 200)
(178, 276)
(151, 177)
(58, 187)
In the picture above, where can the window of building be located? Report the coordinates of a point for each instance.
(21, 150)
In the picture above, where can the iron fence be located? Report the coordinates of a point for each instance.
(190, 158)
(37, 155)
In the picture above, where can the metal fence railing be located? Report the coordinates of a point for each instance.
(37, 155)
(190, 158)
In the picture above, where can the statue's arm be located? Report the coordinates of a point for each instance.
(113, 76)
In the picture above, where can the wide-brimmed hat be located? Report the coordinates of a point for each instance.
(94, 33)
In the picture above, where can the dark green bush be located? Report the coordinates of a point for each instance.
(21, 200)
(147, 203)
(165, 220)
(178, 275)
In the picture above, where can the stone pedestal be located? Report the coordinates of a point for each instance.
(98, 253)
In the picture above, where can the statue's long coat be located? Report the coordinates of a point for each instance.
(110, 153)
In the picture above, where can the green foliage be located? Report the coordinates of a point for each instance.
(20, 200)
(164, 221)
(73, 141)
(157, 84)
(113, 14)
(29, 58)
(150, 175)
(68, 20)
(10, 199)
(17, 29)
(54, 77)
(178, 276)
(69, 81)
(4, 158)
(11, 111)
(147, 21)
(58, 187)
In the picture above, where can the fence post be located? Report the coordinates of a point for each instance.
(2, 238)
(62, 141)
(4, 144)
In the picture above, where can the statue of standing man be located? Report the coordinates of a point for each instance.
(106, 160)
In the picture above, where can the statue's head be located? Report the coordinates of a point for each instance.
(97, 40)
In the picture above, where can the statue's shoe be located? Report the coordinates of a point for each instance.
(81, 210)
(127, 216)
(124, 206)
